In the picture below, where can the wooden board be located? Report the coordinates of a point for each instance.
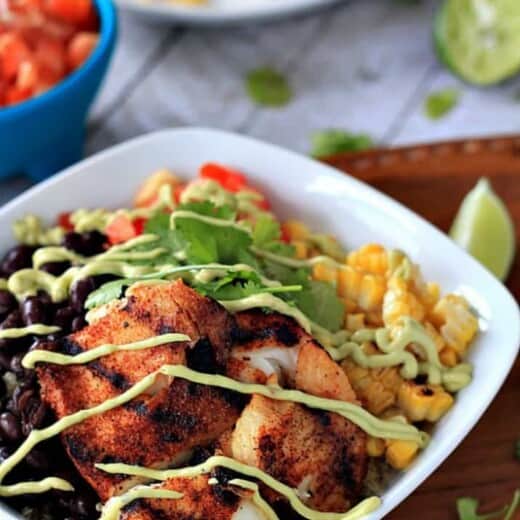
(432, 180)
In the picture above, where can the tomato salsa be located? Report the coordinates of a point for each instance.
(41, 42)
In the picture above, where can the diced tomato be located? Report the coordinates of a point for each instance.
(72, 11)
(16, 95)
(65, 222)
(80, 48)
(121, 229)
(13, 51)
(229, 179)
(139, 224)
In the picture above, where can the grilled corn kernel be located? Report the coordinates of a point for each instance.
(376, 388)
(355, 321)
(366, 290)
(400, 454)
(324, 272)
(448, 357)
(423, 402)
(457, 324)
(399, 301)
(371, 258)
(301, 249)
(375, 447)
(296, 230)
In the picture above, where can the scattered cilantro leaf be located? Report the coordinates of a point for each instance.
(331, 142)
(268, 87)
(467, 508)
(440, 103)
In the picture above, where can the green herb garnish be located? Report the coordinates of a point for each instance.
(440, 103)
(467, 509)
(268, 87)
(331, 142)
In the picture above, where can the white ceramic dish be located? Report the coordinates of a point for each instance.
(221, 12)
(329, 201)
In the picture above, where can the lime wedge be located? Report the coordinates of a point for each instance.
(484, 228)
(479, 39)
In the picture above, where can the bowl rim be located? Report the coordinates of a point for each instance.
(108, 30)
(411, 480)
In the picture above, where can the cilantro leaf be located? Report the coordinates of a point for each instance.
(266, 230)
(106, 293)
(331, 142)
(209, 209)
(268, 87)
(267, 235)
(239, 284)
(207, 243)
(318, 300)
(467, 508)
(440, 103)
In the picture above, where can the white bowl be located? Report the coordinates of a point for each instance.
(328, 201)
(222, 12)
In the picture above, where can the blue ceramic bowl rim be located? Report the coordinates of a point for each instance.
(107, 16)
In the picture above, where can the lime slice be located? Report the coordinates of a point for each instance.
(484, 228)
(479, 39)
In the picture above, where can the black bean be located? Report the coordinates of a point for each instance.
(74, 242)
(63, 317)
(5, 360)
(55, 268)
(81, 506)
(80, 291)
(3, 389)
(78, 323)
(13, 320)
(10, 427)
(37, 459)
(19, 257)
(33, 413)
(4, 453)
(7, 302)
(16, 364)
(33, 310)
(94, 242)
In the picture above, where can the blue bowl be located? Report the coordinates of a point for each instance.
(46, 134)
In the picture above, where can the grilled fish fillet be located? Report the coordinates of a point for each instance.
(320, 452)
(161, 427)
(200, 502)
(268, 344)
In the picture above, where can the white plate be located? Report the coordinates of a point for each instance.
(221, 12)
(329, 201)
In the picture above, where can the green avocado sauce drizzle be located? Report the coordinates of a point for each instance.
(38, 329)
(363, 508)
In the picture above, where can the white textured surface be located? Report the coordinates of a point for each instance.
(365, 65)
